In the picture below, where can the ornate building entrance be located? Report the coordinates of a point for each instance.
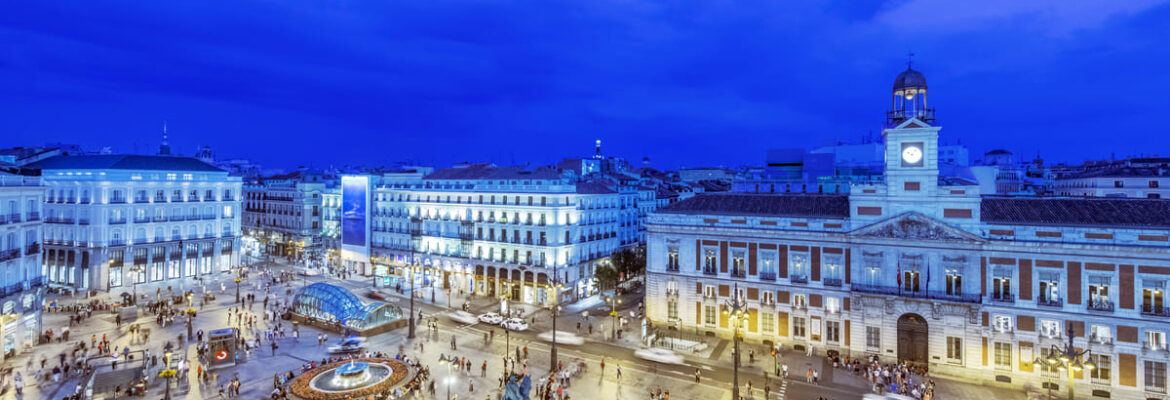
(913, 339)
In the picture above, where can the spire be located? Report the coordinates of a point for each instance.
(597, 154)
(909, 60)
(165, 148)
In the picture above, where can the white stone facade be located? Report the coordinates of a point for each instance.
(293, 219)
(112, 222)
(924, 269)
(500, 234)
(21, 282)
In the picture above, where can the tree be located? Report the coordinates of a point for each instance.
(630, 262)
(607, 276)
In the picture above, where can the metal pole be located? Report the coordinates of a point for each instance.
(555, 309)
(735, 341)
(410, 334)
(613, 316)
(1072, 356)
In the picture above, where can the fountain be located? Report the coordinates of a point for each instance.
(350, 378)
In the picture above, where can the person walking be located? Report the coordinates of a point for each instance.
(619, 372)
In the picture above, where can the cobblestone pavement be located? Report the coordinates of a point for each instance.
(638, 378)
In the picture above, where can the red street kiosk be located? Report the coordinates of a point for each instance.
(221, 344)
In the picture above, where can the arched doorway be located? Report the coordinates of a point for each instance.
(913, 339)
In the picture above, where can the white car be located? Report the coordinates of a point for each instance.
(515, 324)
(308, 272)
(353, 344)
(491, 318)
(462, 317)
(562, 338)
(659, 355)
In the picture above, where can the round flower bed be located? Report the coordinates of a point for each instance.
(300, 386)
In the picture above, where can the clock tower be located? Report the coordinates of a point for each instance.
(911, 139)
(912, 187)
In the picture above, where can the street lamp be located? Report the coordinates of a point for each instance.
(189, 318)
(736, 312)
(409, 265)
(556, 309)
(449, 362)
(613, 302)
(1068, 358)
(239, 274)
(167, 373)
(507, 294)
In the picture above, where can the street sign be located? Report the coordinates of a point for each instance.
(221, 355)
(386, 281)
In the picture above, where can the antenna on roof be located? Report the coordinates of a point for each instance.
(165, 148)
(909, 59)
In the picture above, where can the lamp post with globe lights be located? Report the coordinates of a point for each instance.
(736, 312)
(1068, 358)
(613, 302)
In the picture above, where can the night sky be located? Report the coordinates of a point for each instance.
(321, 82)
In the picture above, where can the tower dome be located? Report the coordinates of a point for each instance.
(908, 98)
(910, 79)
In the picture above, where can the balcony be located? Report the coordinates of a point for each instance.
(1047, 302)
(1003, 298)
(798, 279)
(1100, 339)
(117, 242)
(34, 216)
(738, 274)
(832, 282)
(9, 254)
(14, 218)
(141, 200)
(1154, 311)
(117, 221)
(1148, 346)
(927, 294)
(141, 220)
(767, 276)
(84, 200)
(1100, 305)
(709, 271)
(118, 200)
(83, 221)
(671, 267)
(32, 249)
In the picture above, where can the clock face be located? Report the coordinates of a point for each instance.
(912, 155)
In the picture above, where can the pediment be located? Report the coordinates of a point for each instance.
(914, 226)
(911, 123)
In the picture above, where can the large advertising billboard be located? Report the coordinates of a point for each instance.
(353, 209)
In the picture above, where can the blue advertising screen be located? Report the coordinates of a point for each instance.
(353, 210)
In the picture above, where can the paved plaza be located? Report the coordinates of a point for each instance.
(638, 377)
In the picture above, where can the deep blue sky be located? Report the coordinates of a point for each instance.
(690, 83)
